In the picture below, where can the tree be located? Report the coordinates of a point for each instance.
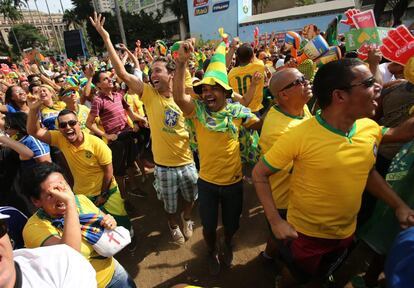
(70, 18)
(180, 10)
(262, 4)
(28, 36)
(9, 10)
(305, 2)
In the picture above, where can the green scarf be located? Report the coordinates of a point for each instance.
(222, 121)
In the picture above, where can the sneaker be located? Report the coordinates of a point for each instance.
(176, 234)
(227, 255)
(213, 264)
(187, 227)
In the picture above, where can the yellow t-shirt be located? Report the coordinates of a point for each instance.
(136, 105)
(82, 115)
(240, 79)
(85, 162)
(219, 153)
(330, 172)
(275, 125)
(39, 228)
(170, 139)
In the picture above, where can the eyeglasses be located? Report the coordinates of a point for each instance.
(3, 228)
(301, 80)
(71, 123)
(367, 83)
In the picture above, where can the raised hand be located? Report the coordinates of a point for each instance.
(349, 13)
(98, 22)
(405, 216)
(184, 52)
(34, 102)
(89, 70)
(257, 77)
(122, 46)
(398, 46)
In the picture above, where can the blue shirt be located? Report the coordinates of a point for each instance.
(38, 147)
(12, 109)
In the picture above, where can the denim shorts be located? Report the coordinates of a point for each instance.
(230, 197)
(121, 278)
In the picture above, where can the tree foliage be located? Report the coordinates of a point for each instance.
(9, 10)
(304, 2)
(27, 35)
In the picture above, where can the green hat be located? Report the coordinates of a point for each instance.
(216, 71)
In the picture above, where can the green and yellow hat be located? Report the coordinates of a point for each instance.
(216, 71)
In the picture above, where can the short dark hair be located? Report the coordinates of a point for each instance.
(244, 53)
(33, 85)
(34, 177)
(65, 112)
(333, 75)
(16, 121)
(96, 78)
(169, 64)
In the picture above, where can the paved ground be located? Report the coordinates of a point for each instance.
(159, 263)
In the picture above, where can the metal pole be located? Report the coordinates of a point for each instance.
(45, 30)
(120, 24)
(61, 5)
(30, 12)
(53, 27)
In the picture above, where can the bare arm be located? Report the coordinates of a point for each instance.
(280, 228)
(233, 47)
(134, 84)
(71, 230)
(184, 101)
(24, 152)
(33, 124)
(86, 91)
(374, 58)
(106, 183)
(378, 187)
(402, 133)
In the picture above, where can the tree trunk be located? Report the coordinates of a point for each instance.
(183, 30)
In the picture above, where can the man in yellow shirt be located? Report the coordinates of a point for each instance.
(333, 155)
(175, 169)
(291, 91)
(89, 160)
(47, 188)
(240, 77)
(216, 124)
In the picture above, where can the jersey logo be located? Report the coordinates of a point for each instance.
(375, 149)
(170, 117)
(88, 154)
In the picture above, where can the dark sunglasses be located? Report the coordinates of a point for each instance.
(301, 80)
(71, 123)
(3, 227)
(367, 83)
(68, 93)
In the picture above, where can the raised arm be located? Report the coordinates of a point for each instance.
(184, 101)
(24, 152)
(33, 124)
(86, 91)
(402, 133)
(233, 47)
(134, 84)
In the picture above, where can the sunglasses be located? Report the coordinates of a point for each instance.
(71, 123)
(301, 80)
(367, 83)
(3, 228)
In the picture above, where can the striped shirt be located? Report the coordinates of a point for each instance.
(111, 112)
(38, 147)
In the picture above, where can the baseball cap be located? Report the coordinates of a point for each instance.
(4, 216)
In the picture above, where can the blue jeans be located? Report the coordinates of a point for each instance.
(121, 278)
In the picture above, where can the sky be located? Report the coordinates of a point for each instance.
(54, 5)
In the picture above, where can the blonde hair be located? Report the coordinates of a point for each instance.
(54, 95)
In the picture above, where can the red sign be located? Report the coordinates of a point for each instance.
(364, 19)
(200, 2)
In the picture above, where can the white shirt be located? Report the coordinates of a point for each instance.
(57, 266)
(387, 76)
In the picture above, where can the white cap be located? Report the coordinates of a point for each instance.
(280, 63)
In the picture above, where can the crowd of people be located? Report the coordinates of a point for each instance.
(320, 141)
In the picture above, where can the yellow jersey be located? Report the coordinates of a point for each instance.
(330, 172)
(85, 162)
(240, 79)
(219, 153)
(170, 138)
(48, 114)
(276, 123)
(39, 228)
(136, 106)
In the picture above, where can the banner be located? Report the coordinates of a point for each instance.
(355, 38)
